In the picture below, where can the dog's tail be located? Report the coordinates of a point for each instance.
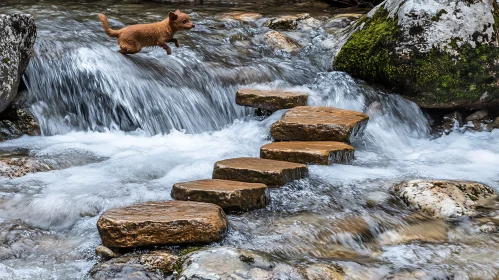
(110, 32)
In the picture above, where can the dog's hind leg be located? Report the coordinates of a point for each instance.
(173, 40)
(127, 47)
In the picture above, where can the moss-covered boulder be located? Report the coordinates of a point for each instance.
(436, 53)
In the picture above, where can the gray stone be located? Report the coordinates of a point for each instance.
(279, 41)
(478, 115)
(104, 252)
(495, 124)
(18, 33)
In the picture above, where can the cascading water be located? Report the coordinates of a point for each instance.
(125, 129)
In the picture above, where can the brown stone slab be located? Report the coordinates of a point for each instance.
(162, 223)
(313, 152)
(315, 123)
(273, 173)
(271, 100)
(229, 195)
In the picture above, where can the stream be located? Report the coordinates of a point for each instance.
(120, 130)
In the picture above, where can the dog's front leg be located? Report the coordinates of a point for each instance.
(166, 47)
(173, 40)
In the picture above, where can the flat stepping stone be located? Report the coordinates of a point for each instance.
(229, 195)
(272, 173)
(315, 123)
(162, 223)
(314, 152)
(270, 100)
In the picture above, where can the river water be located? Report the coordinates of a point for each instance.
(126, 128)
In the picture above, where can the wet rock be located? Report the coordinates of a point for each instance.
(289, 22)
(16, 122)
(18, 33)
(320, 272)
(426, 231)
(272, 173)
(422, 50)
(105, 253)
(279, 41)
(230, 263)
(151, 265)
(478, 115)
(271, 100)
(312, 152)
(162, 223)
(455, 116)
(444, 199)
(480, 125)
(230, 195)
(495, 124)
(241, 16)
(18, 166)
(314, 123)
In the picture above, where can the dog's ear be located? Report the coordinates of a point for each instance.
(172, 16)
(177, 11)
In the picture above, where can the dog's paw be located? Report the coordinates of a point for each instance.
(177, 45)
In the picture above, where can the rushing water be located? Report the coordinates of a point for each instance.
(125, 128)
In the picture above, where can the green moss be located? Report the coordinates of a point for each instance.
(429, 78)
(182, 255)
(247, 259)
(6, 60)
(438, 15)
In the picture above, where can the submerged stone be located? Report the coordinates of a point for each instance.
(271, 100)
(288, 22)
(272, 173)
(314, 123)
(428, 51)
(151, 265)
(313, 152)
(229, 195)
(162, 223)
(444, 198)
(231, 263)
(241, 16)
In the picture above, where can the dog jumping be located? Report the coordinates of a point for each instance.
(133, 38)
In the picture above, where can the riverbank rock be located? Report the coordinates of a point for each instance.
(309, 152)
(151, 265)
(270, 100)
(444, 199)
(230, 263)
(162, 223)
(279, 41)
(230, 195)
(428, 51)
(315, 123)
(18, 33)
(272, 173)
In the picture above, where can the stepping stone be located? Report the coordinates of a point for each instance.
(162, 223)
(314, 123)
(272, 173)
(229, 195)
(314, 152)
(270, 100)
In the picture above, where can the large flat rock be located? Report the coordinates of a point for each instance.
(313, 152)
(271, 100)
(273, 173)
(315, 123)
(162, 223)
(229, 195)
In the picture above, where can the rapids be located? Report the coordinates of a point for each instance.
(123, 130)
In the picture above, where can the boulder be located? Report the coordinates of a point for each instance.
(288, 22)
(271, 100)
(230, 263)
(230, 195)
(151, 265)
(272, 173)
(428, 51)
(18, 33)
(442, 198)
(478, 115)
(314, 123)
(162, 223)
(312, 152)
(279, 41)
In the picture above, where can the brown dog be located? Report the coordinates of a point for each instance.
(132, 39)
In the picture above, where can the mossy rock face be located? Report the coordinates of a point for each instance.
(427, 51)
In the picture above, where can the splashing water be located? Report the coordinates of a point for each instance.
(127, 128)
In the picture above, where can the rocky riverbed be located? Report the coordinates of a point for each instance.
(124, 136)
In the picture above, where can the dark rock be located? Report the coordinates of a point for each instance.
(18, 33)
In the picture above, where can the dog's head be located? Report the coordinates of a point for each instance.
(180, 21)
